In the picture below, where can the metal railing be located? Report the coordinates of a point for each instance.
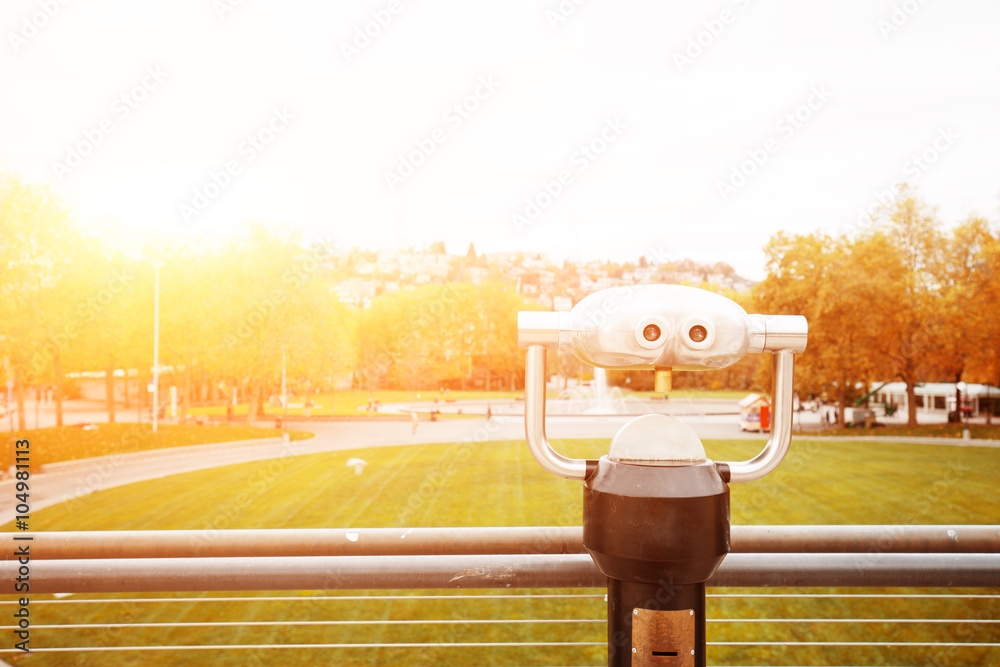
(98, 563)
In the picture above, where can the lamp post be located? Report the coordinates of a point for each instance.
(284, 390)
(156, 344)
(962, 388)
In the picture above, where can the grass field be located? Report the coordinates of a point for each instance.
(499, 484)
(976, 431)
(68, 443)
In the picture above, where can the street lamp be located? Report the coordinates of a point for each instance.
(961, 388)
(284, 390)
(156, 343)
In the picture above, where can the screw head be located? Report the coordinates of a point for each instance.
(634, 651)
(635, 612)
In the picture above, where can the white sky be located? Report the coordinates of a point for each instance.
(654, 190)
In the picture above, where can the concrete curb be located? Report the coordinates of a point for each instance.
(76, 465)
(957, 442)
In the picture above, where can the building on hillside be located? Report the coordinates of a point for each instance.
(562, 303)
(356, 292)
(478, 274)
(940, 397)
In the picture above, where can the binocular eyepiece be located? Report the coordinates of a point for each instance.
(661, 326)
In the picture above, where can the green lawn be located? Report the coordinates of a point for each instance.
(499, 484)
(68, 443)
(976, 431)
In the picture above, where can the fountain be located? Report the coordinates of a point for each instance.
(593, 399)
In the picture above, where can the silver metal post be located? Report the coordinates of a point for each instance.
(781, 430)
(156, 345)
(534, 420)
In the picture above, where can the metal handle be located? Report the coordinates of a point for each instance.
(534, 420)
(781, 427)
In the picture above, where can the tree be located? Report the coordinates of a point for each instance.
(970, 328)
(912, 320)
(437, 335)
(36, 241)
(115, 329)
(833, 283)
(892, 302)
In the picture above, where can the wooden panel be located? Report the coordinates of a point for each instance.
(663, 638)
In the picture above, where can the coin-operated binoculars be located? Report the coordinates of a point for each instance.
(655, 509)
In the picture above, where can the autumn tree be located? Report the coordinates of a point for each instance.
(37, 238)
(911, 321)
(834, 283)
(437, 335)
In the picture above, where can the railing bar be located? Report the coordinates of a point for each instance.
(322, 598)
(495, 621)
(486, 645)
(885, 644)
(356, 598)
(944, 596)
(833, 620)
(561, 571)
(208, 647)
(222, 624)
(488, 540)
